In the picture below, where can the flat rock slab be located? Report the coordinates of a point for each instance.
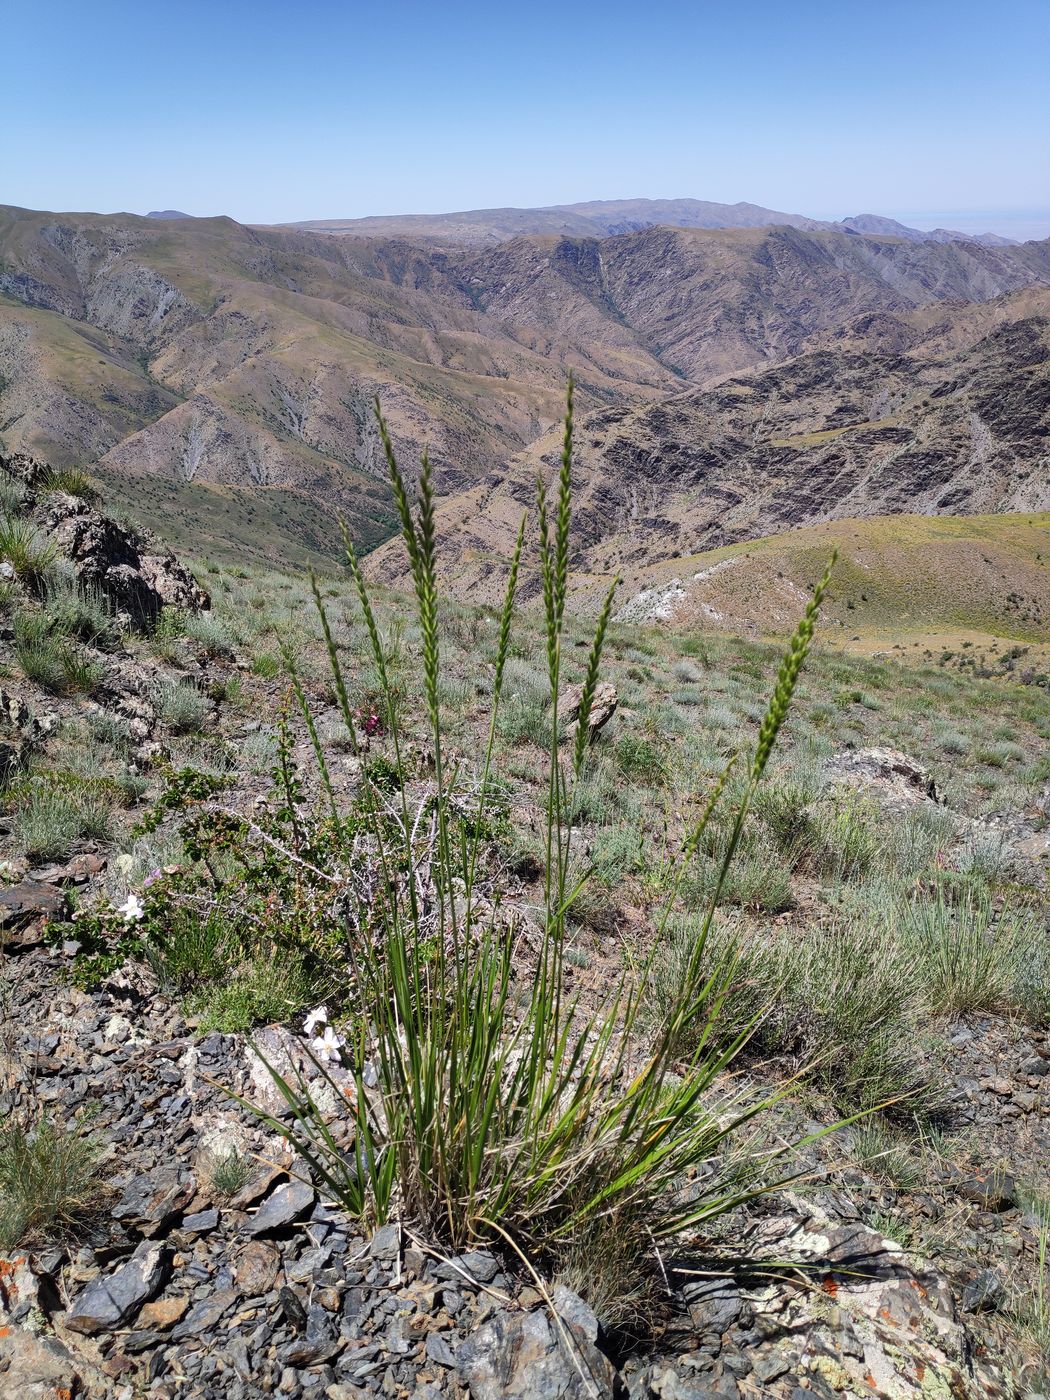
(111, 1299)
(285, 1206)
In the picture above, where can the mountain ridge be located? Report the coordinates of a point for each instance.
(604, 218)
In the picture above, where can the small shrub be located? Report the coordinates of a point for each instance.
(85, 614)
(640, 760)
(267, 664)
(210, 634)
(182, 708)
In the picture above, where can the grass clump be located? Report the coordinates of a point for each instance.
(49, 1180)
(50, 817)
(49, 660)
(25, 549)
(501, 1109)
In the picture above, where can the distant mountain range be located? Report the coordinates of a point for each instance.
(187, 356)
(604, 218)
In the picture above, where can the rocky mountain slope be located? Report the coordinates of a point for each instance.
(205, 353)
(896, 414)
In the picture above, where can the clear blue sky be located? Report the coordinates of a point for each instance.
(926, 110)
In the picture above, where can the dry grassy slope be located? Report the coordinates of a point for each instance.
(912, 580)
(832, 433)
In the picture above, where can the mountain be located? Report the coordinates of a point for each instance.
(603, 218)
(881, 227)
(168, 214)
(202, 352)
(600, 218)
(945, 413)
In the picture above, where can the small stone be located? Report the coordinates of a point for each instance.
(437, 1349)
(201, 1221)
(283, 1207)
(386, 1243)
(256, 1268)
(205, 1314)
(986, 1293)
(476, 1265)
(163, 1313)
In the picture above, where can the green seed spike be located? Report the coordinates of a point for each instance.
(590, 683)
(788, 675)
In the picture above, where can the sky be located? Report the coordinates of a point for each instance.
(936, 113)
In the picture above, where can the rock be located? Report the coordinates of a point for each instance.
(26, 907)
(135, 571)
(154, 1199)
(714, 1304)
(994, 1190)
(111, 1299)
(603, 707)
(476, 1265)
(204, 1315)
(257, 1268)
(201, 1221)
(163, 1313)
(892, 779)
(986, 1293)
(386, 1243)
(439, 1351)
(284, 1206)
(21, 1289)
(524, 1355)
(36, 1367)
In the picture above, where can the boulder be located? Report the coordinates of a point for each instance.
(893, 780)
(131, 567)
(112, 1299)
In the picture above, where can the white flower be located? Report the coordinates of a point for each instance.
(132, 909)
(326, 1047)
(317, 1017)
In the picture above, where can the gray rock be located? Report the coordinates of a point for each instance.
(154, 1199)
(986, 1293)
(205, 1314)
(284, 1206)
(36, 1367)
(438, 1350)
(201, 1221)
(476, 1265)
(111, 1299)
(994, 1190)
(516, 1356)
(386, 1243)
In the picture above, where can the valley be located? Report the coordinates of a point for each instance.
(846, 372)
